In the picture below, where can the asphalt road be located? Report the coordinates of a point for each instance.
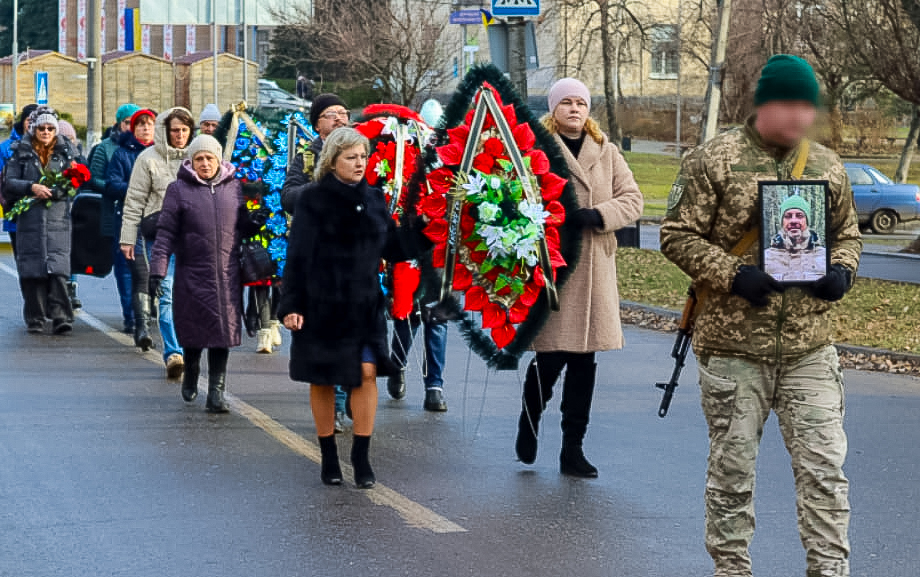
(877, 265)
(105, 471)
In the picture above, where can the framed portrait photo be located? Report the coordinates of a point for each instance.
(794, 229)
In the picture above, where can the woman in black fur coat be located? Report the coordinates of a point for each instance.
(332, 300)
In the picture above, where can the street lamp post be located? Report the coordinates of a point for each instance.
(15, 57)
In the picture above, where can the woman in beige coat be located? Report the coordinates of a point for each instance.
(589, 317)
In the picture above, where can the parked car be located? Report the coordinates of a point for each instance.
(270, 96)
(880, 203)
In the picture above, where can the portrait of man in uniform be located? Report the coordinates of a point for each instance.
(794, 227)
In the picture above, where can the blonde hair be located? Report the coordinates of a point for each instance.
(338, 141)
(591, 127)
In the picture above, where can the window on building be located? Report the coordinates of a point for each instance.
(664, 49)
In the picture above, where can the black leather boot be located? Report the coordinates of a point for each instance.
(396, 385)
(577, 394)
(364, 475)
(434, 401)
(331, 472)
(142, 321)
(538, 390)
(192, 359)
(217, 383)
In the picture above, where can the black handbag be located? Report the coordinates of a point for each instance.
(256, 263)
(149, 225)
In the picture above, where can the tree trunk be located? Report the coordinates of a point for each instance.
(610, 93)
(910, 145)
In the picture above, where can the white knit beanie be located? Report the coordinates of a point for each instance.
(211, 113)
(41, 116)
(205, 143)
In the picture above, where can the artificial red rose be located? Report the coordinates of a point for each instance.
(370, 129)
(555, 257)
(463, 278)
(518, 312)
(493, 315)
(524, 137)
(467, 224)
(479, 256)
(539, 163)
(371, 172)
(531, 294)
(459, 134)
(433, 206)
(538, 277)
(441, 180)
(503, 336)
(475, 299)
(437, 230)
(510, 115)
(451, 154)
(506, 290)
(484, 163)
(552, 237)
(439, 255)
(493, 147)
(556, 213)
(551, 185)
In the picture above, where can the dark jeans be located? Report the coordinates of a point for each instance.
(577, 390)
(45, 298)
(435, 347)
(121, 270)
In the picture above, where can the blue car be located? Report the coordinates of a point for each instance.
(880, 203)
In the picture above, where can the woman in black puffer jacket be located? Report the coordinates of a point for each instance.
(331, 294)
(43, 230)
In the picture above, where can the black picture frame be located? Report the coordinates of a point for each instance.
(790, 254)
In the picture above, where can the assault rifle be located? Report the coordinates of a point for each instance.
(679, 352)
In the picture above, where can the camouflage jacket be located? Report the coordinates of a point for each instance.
(713, 203)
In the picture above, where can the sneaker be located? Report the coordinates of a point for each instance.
(341, 424)
(175, 366)
(276, 333)
(264, 345)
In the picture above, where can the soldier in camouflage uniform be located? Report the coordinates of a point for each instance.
(762, 346)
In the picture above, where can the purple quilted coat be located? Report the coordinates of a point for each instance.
(198, 224)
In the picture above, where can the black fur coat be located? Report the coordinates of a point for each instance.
(338, 237)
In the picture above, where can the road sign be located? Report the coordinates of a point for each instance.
(516, 8)
(466, 17)
(41, 88)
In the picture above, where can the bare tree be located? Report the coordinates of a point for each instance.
(886, 41)
(392, 45)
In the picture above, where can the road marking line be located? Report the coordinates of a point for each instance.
(414, 514)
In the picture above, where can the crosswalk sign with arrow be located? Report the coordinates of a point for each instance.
(41, 88)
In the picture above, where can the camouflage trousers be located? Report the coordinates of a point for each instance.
(808, 398)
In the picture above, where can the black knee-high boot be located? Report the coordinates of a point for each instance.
(542, 374)
(142, 339)
(577, 394)
(331, 472)
(192, 358)
(364, 474)
(217, 380)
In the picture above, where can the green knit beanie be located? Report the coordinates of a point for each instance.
(795, 201)
(787, 77)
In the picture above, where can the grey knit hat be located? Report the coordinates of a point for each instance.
(41, 116)
(211, 113)
(205, 143)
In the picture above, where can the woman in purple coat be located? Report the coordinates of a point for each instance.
(203, 222)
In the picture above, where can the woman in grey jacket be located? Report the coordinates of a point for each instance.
(156, 168)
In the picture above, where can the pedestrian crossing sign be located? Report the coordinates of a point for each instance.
(41, 88)
(515, 8)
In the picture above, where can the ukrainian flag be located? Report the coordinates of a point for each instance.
(487, 17)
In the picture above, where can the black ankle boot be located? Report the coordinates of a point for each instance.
(190, 382)
(526, 444)
(572, 462)
(364, 475)
(331, 472)
(217, 383)
(141, 321)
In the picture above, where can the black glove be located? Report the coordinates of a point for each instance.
(754, 285)
(154, 285)
(832, 286)
(258, 218)
(587, 218)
